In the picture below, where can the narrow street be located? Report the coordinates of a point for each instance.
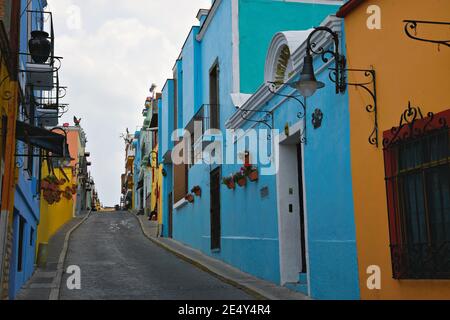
(118, 262)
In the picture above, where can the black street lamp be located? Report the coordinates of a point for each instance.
(308, 84)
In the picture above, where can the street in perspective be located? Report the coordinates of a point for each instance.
(228, 151)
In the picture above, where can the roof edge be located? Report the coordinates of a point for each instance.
(348, 8)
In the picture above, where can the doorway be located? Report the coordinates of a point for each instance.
(291, 213)
(216, 232)
(170, 235)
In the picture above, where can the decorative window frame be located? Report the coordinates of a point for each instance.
(413, 126)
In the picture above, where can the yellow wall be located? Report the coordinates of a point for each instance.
(53, 217)
(157, 188)
(407, 70)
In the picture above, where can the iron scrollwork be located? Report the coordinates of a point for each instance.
(408, 128)
(266, 120)
(340, 60)
(300, 115)
(412, 25)
(370, 86)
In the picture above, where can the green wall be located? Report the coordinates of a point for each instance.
(259, 20)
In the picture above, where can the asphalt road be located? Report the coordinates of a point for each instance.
(118, 262)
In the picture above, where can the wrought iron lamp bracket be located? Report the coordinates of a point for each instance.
(340, 60)
(266, 120)
(412, 25)
(370, 86)
(300, 115)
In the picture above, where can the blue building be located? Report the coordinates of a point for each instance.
(39, 107)
(294, 226)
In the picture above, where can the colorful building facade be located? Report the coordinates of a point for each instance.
(287, 228)
(401, 187)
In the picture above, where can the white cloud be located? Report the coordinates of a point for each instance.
(110, 61)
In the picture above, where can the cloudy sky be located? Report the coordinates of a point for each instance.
(113, 51)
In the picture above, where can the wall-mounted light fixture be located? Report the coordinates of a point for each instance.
(308, 84)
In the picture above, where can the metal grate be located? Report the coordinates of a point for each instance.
(417, 161)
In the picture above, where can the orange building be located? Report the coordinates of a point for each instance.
(401, 187)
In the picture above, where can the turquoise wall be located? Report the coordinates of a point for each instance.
(259, 20)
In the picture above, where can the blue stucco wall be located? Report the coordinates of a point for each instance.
(249, 221)
(333, 269)
(26, 197)
(166, 120)
(330, 205)
(167, 187)
(249, 229)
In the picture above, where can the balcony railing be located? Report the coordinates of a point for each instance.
(209, 116)
(421, 261)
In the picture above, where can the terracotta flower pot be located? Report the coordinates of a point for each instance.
(197, 191)
(253, 176)
(242, 182)
(231, 185)
(190, 198)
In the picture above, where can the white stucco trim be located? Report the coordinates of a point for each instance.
(235, 46)
(293, 40)
(262, 96)
(305, 210)
(180, 204)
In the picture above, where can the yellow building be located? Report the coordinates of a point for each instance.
(55, 215)
(157, 181)
(401, 187)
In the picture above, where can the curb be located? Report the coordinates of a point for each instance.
(253, 292)
(54, 293)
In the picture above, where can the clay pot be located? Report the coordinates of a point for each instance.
(197, 192)
(242, 182)
(40, 46)
(253, 176)
(190, 198)
(231, 185)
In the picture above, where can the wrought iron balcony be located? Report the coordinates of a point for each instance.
(47, 105)
(421, 261)
(209, 116)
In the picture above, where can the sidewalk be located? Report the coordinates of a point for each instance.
(261, 289)
(45, 280)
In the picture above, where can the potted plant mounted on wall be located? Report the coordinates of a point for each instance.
(252, 173)
(197, 191)
(189, 198)
(229, 182)
(240, 179)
